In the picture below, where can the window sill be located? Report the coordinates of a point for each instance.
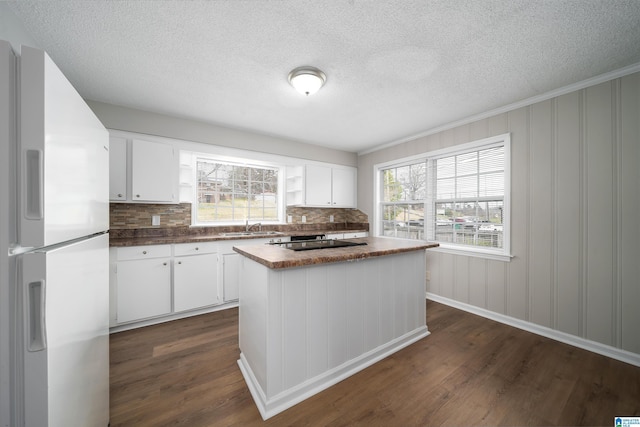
(472, 252)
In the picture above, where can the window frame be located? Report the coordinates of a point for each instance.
(230, 161)
(403, 202)
(502, 254)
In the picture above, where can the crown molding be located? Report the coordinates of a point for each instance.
(514, 106)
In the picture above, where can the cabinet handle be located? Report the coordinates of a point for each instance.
(144, 252)
(196, 248)
(119, 194)
(164, 263)
(137, 195)
(179, 262)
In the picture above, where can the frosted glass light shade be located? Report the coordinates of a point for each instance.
(307, 80)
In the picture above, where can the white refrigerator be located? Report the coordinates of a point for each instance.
(54, 366)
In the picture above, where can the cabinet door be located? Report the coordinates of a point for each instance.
(143, 289)
(195, 281)
(153, 172)
(231, 276)
(344, 188)
(117, 168)
(318, 185)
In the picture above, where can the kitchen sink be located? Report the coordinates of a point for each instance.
(252, 233)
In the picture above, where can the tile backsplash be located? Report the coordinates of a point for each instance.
(139, 215)
(323, 215)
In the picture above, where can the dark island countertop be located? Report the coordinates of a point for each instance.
(276, 257)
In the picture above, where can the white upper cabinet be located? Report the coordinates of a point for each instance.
(153, 172)
(117, 168)
(317, 185)
(324, 186)
(142, 171)
(343, 187)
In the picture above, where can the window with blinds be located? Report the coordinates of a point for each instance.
(469, 198)
(457, 196)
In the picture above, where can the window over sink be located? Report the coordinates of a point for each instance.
(228, 192)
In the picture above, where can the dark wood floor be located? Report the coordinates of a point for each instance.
(469, 371)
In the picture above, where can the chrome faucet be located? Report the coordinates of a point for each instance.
(248, 227)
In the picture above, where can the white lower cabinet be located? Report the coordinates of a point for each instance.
(155, 283)
(231, 276)
(195, 282)
(143, 289)
(231, 264)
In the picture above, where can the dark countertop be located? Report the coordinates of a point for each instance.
(276, 257)
(167, 240)
(162, 236)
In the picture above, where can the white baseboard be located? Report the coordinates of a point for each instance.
(595, 347)
(269, 407)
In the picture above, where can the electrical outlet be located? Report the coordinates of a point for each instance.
(304, 218)
(289, 219)
(155, 220)
(330, 218)
(428, 275)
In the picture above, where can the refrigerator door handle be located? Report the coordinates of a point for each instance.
(36, 326)
(34, 179)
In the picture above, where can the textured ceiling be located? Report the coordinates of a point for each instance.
(394, 68)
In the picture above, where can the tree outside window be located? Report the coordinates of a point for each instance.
(229, 192)
(457, 196)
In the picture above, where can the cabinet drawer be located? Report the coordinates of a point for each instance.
(334, 236)
(195, 248)
(142, 252)
(356, 235)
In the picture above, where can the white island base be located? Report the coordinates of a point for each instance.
(304, 329)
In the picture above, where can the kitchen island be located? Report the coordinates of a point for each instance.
(311, 318)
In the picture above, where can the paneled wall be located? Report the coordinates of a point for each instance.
(575, 215)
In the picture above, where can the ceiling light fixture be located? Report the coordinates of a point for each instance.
(307, 80)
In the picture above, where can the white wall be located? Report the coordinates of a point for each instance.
(12, 30)
(133, 120)
(575, 215)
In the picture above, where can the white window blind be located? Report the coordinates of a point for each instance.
(469, 198)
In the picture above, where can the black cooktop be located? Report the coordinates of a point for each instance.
(307, 245)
